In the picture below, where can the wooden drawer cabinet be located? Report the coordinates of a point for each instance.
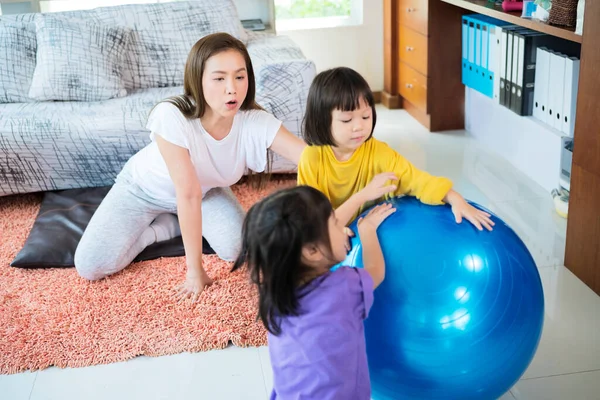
(422, 62)
(413, 86)
(413, 15)
(413, 49)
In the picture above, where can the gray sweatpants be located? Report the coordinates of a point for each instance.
(113, 237)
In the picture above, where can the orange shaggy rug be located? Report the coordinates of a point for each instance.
(53, 317)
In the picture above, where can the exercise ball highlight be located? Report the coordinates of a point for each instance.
(460, 312)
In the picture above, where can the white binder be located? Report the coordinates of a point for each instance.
(540, 91)
(495, 35)
(556, 90)
(570, 95)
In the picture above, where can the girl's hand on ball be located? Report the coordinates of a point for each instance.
(461, 209)
(377, 187)
(349, 234)
(375, 217)
(477, 217)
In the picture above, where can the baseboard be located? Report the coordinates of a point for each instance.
(423, 118)
(377, 97)
(391, 101)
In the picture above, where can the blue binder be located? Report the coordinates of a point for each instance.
(478, 40)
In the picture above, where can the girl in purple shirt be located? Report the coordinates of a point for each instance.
(314, 317)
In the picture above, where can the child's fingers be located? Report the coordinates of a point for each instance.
(389, 175)
(486, 226)
(387, 212)
(378, 209)
(388, 188)
(486, 222)
(475, 222)
(487, 218)
(458, 218)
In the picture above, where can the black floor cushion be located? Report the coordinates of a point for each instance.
(60, 223)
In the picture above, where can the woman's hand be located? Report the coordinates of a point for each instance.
(193, 286)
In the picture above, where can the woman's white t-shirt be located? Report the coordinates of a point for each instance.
(218, 163)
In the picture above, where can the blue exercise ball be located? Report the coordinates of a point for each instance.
(460, 312)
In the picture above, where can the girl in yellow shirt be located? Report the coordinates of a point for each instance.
(351, 167)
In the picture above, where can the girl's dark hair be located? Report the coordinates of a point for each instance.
(192, 103)
(273, 234)
(338, 88)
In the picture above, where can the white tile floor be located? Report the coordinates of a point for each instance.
(566, 366)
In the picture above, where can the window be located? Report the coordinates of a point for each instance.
(308, 14)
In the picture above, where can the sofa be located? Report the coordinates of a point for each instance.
(76, 87)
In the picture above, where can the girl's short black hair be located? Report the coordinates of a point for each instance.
(273, 234)
(339, 88)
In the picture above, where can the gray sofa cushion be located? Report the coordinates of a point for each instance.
(78, 60)
(17, 60)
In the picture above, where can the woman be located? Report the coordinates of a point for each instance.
(202, 143)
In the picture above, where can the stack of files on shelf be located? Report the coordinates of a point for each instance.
(519, 49)
(480, 62)
(555, 95)
(501, 61)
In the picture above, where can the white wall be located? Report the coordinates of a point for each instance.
(357, 47)
(528, 144)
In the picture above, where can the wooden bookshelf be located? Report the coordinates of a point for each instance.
(490, 9)
(422, 58)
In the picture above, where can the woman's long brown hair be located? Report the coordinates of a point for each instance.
(192, 103)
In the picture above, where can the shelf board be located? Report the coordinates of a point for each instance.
(490, 9)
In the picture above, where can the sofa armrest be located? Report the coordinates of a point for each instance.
(283, 77)
(268, 48)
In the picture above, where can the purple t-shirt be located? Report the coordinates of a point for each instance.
(321, 353)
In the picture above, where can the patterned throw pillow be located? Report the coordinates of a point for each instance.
(17, 60)
(164, 34)
(78, 60)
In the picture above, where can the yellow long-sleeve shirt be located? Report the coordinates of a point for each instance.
(339, 180)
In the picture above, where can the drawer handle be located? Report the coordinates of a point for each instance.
(410, 9)
(409, 85)
(408, 48)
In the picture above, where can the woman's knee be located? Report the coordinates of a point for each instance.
(228, 251)
(93, 264)
(222, 219)
(87, 268)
